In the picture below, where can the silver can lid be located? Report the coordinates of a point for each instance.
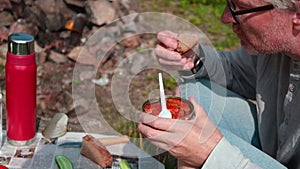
(21, 44)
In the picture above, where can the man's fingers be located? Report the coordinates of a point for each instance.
(149, 132)
(162, 52)
(168, 38)
(162, 145)
(163, 139)
(188, 66)
(183, 67)
(169, 126)
(181, 62)
(173, 60)
(156, 122)
(175, 66)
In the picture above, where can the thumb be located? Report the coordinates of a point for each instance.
(198, 109)
(168, 38)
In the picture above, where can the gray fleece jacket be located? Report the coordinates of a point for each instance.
(274, 81)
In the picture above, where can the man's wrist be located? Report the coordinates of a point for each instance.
(199, 59)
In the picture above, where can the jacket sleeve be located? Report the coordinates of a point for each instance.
(235, 70)
(227, 156)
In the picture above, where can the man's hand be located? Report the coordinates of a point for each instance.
(168, 54)
(191, 141)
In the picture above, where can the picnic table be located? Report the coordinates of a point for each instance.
(41, 154)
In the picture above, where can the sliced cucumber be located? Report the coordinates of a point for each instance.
(63, 162)
(124, 165)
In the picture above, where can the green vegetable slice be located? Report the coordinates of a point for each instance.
(124, 164)
(63, 162)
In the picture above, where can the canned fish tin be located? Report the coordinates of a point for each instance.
(180, 108)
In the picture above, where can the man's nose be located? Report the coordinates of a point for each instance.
(227, 16)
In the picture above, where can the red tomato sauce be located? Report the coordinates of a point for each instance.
(178, 108)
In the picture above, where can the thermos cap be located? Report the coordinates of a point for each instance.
(21, 44)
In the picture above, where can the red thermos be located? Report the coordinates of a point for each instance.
(20, 89)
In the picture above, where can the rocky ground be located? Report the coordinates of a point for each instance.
(61, 29)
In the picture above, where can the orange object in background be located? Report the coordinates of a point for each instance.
(77, 23)
(70, 25)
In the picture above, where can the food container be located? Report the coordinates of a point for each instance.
(180, 108)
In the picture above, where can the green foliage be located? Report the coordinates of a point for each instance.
(205, 14)
(170, 83)
(151, 76)
(76, 81)
(203, 2)
(2, 68)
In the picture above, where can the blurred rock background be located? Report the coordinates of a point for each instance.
(61, 28)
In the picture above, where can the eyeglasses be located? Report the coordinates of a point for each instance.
(235, 13)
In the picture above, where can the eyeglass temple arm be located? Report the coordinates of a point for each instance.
(261, 8)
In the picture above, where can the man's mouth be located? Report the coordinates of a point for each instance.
(237, 30)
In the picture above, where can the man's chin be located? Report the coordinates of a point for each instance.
(249, 48)
(251, 51)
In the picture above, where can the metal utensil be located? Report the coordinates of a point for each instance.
(115, 165)
(164, 111)
(56, 127)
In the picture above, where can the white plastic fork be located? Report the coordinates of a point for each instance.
(115, 165)
(164, 111)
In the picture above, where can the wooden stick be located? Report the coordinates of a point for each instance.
(114, 140)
